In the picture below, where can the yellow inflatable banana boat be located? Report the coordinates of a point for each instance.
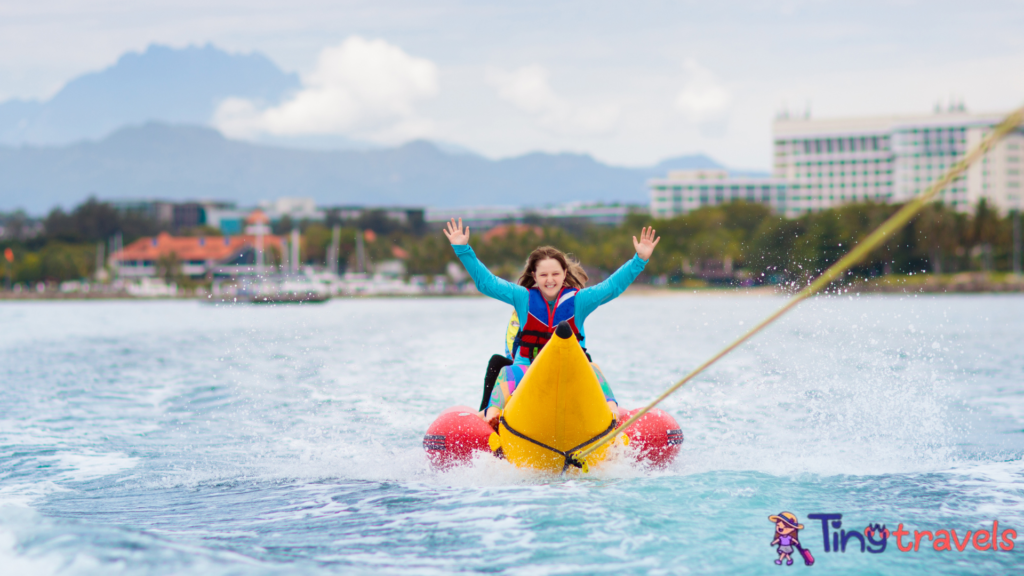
(557, 409)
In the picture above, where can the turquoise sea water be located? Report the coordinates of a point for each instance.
(185, 438)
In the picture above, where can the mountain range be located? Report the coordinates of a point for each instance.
(180, 86)
(139, 129)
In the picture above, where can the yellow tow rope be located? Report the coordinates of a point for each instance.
(887, 229)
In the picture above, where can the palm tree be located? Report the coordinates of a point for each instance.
(984, 233)
(935, 232)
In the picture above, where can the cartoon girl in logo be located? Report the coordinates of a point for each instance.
(786, 530)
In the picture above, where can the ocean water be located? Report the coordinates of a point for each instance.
(189, 438)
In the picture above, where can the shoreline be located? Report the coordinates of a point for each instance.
(963, 283)
(967, 283)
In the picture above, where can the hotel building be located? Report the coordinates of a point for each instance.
(830, 162)
(821, 164)
(684, 191)
(487, 217)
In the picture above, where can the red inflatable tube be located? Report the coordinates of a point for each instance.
(454, 436)
(656, 436)
(458, 432)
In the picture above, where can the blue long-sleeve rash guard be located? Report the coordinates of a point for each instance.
(586, 301)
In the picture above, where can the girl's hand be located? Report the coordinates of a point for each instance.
(645, 247)
(459, 238)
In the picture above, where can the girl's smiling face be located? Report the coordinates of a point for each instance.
(549, 277)
(782, 528)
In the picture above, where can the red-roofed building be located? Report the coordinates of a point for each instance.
(197, 255)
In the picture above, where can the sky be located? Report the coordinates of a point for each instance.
(630, 83)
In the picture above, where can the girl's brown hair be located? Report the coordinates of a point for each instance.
(575, 276)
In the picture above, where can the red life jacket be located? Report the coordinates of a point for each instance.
(542, 320)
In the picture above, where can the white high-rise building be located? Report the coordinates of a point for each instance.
(830, 162)
(684, 191)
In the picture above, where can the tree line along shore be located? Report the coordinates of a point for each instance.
(733, 245)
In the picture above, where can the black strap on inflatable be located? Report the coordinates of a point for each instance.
(534, 350)
(569, 460)
(494, 366)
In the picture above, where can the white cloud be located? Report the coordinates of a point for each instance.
(364, 88)
(703, 99)
(527, 89)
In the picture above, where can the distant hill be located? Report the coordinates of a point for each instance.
(138, 130)
(164, 84)
(191, 162)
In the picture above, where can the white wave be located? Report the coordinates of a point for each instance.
(13, 520)
(88, 465)
(26, 493)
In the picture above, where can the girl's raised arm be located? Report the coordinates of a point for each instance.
(459, 238)
(645, 247)
(591, 297)
(487, 283)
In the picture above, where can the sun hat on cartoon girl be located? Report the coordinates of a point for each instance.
(787, 518)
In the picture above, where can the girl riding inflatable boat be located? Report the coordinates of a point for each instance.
(552, 296)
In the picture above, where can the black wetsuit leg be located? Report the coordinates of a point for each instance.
(494, 366)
